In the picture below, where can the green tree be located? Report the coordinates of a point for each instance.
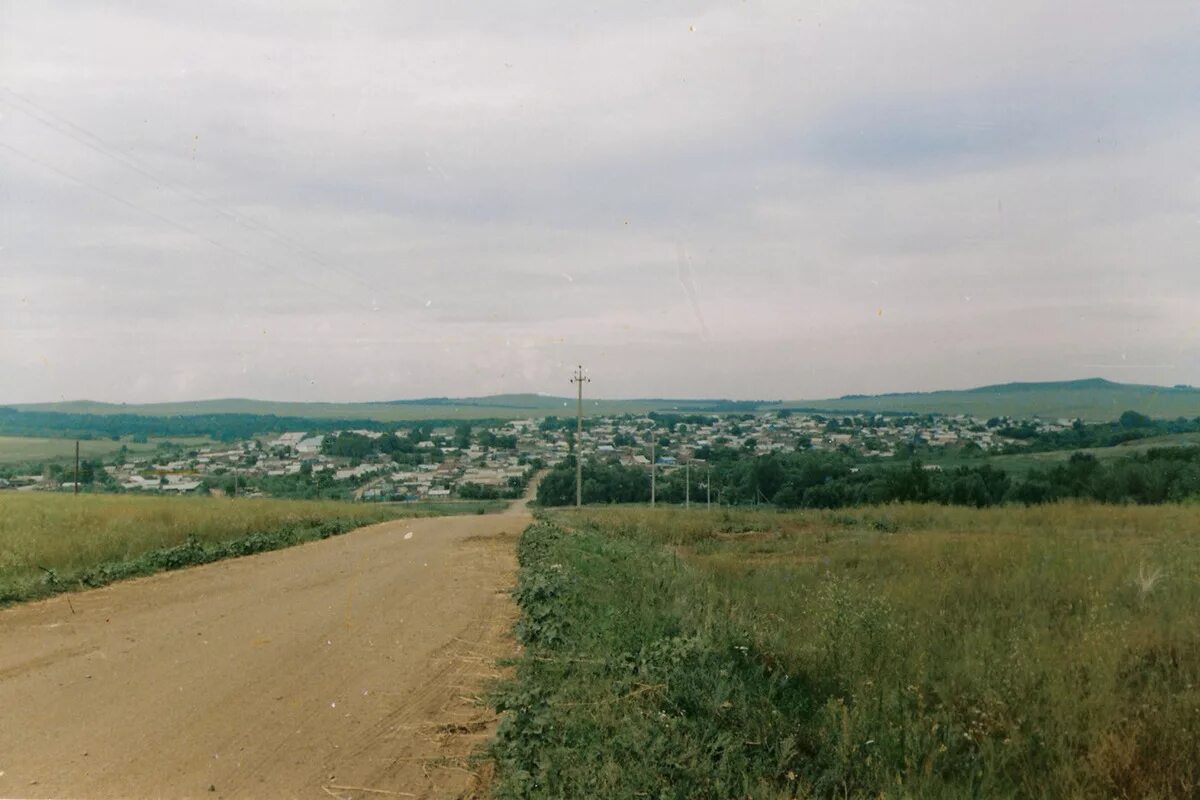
(462, 436)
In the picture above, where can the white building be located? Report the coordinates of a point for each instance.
(310, 446)
(290, 439)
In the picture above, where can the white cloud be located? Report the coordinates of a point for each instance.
(371, 200)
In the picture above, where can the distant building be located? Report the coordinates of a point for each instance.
(290, 439)
(310, 446)
(141, 482)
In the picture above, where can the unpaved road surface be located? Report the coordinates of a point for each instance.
(324, 670)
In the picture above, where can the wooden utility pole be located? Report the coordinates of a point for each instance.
(687, 490)
(76, 466)
(653, 469)
(579, 379)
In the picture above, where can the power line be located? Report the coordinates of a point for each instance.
(154, 214)
(82, 136)
(88, 139)
(653, 469)
(579, 379)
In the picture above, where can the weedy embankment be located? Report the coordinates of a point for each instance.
(902, 651)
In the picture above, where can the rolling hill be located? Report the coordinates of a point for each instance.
(1093, 399)
(507, 406)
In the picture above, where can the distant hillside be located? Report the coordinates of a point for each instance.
(507, 406)
(1092, 399)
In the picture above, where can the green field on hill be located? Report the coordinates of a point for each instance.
(35, 449)
(1092, 400)
(1019, 464)
(885, 652)
(494, 407)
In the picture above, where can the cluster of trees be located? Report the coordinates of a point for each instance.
(307, 484)
(1160, 475)
(402, 449)
(91, 472)
(464, 436)
(603, 482)
(224, 427)
(834, 480)
(357, 446)
(1131, 426)
(497, 441)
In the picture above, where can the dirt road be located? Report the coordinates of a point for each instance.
(327, 669)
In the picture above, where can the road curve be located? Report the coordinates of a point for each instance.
(342, 668)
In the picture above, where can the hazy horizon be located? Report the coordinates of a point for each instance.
(588, 396)
(377, 201)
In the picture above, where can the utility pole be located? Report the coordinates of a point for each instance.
(76, 466)
(708, 488)
(687, 490)
(653, 469)
(579, 379)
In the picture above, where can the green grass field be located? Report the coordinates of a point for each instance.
(29, 449)
(901, 651)
(521, 406)
(1092, 400)
(51, 542)
(1021, 463)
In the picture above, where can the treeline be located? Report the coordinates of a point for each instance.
(91, 472)
(603, 482)
(224, 427)
(307, 484)
(1131, 426)
(354, 445)
(833, 480)
(349, 444)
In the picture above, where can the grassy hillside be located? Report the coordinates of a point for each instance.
(1093, 400)
(515, 406)
(1021, 463)
(22, 449)
(52, 542)
(891, 652)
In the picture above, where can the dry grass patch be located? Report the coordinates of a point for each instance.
(1051, 651)
(49, 542)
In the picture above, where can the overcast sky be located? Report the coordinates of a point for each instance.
(360, 201)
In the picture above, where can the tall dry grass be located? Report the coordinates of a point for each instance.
(65, 536)
(1051, 651)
